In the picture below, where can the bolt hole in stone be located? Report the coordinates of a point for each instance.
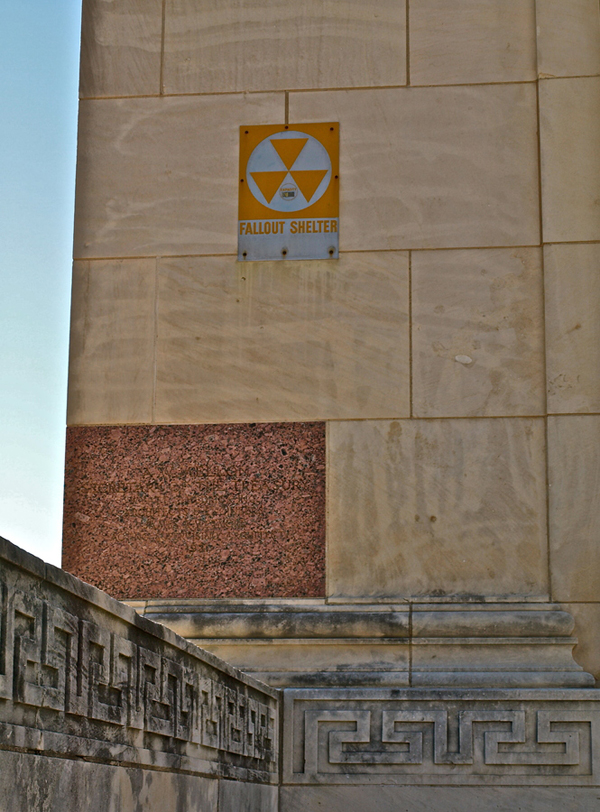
(331, 252)
(284, 252)
(245, 254)
(433, 518)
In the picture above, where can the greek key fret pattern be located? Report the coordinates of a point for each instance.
(421, 738)
(103, 685)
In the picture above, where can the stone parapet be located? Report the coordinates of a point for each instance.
(85, 679)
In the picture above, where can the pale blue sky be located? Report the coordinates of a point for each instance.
(39, 54)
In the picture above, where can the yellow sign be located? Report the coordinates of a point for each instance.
(289, 192)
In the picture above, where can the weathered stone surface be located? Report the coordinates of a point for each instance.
(477, 333)
(278, 620)
(516, 646)
(496, 662)
(297, 642)
(37, 782)
(574, 515)
(312, 644)
(572, 281)
(314, 662)
(475, 620)
(429, 738)
(235, 797)
(587, 631)
(111, 365)
(224, 46)
(471, 41)
(437, 507)
(120, 47)
(83, 677)
(160, 175)
(282, 341)
(568, 39)
(463, 169)
(569, 115)
(437, 799)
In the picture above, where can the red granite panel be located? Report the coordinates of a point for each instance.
(197, 511)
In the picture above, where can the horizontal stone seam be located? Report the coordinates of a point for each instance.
(315, 419)
(342, 88)
(137, 257)
(218, 773)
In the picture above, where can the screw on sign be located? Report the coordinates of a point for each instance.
(289, 192)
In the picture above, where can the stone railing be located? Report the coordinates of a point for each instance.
(121, 701)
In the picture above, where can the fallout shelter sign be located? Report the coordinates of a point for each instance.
(289, 192)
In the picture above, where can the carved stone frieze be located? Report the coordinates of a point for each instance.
(76, 679)
(453, 738)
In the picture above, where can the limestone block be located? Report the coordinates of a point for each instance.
(587, 631)
(488, 620)
(434, 167)
(471, 41)
(569, 116)
(235, 796)
(574, 515)
(568, 38)
(477, 333)
(315, 661)
(83, 677)
(34, 782)
(526, 646)
(219, 47)
(160, 175)
(283, 619)
(438, 799)
(111, 364)
(120, 47)
(572, 281)
(534, 663)
(282, 341)
(437, 507)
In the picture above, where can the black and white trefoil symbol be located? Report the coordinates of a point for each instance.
(288, 171)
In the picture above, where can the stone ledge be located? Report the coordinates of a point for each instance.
(312, 643)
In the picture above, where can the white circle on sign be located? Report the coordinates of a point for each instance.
(288, 177)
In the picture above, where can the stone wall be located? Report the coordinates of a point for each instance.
(377, 473)
(450, 355)
(104, 711)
